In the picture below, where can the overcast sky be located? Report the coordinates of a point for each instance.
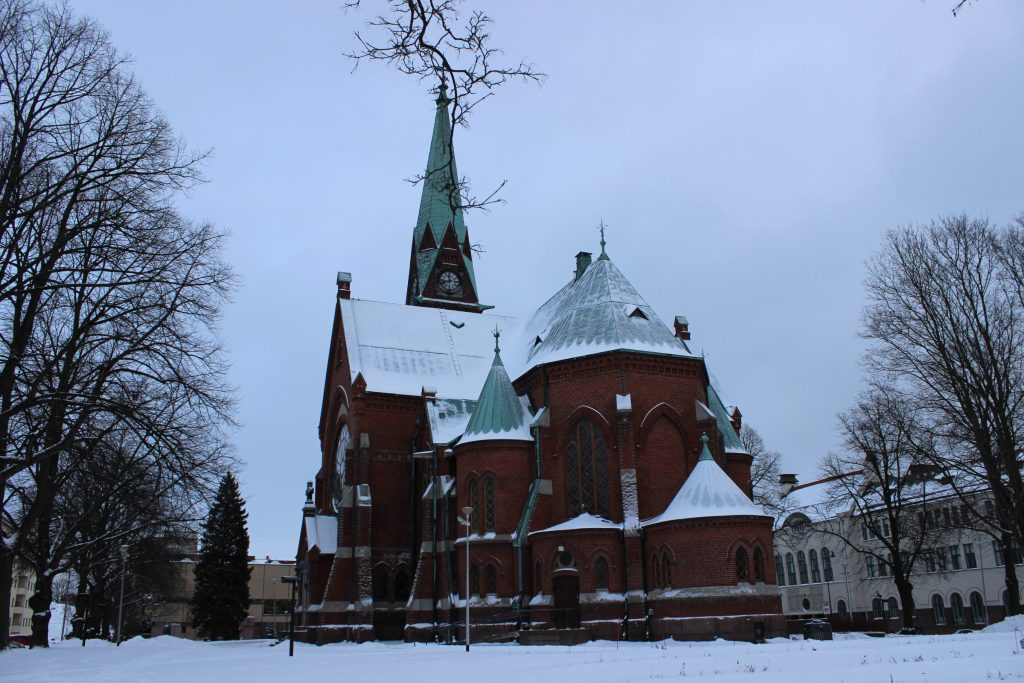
(746, 156)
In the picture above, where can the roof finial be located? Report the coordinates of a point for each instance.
(603, 256)
(705, 454)
(442, 93)
(497, 334)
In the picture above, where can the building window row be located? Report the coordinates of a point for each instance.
(796, 571)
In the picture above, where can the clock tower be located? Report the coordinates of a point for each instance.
(441, 264)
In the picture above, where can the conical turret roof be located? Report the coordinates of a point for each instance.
(499, 414)
(707, 492)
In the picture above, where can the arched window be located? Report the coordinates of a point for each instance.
(877, 610)
(586, 465)
(801, 562)
(401, 583)
(826, 563)
(780, 575)
(758, 565)
(894, 608)
(666, 570)
(843, 611)
(474, 580)
(473, 492)
(957, 603)
(379, 579)
(741, 565)
(490, 579)
(978, 610)
(538, 585)
(938, 610)
(812, 556)
(790, 570)
(489, 504)
(601, 573)
(655, 572)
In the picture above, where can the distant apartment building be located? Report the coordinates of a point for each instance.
(959, 578)
(269, 607)
(23, 584)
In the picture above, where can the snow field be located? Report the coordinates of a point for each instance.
(994, 654)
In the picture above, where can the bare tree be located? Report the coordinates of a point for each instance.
(882, 480)
(946, 325)
(429, 40)
(764, 472)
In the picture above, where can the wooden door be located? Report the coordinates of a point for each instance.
(567, 601)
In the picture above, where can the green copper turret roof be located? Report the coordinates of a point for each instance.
(499, 414)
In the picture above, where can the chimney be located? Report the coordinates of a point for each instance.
(737, 419)
(583, 260)
(786, 484)
(344, 285)
(682, 327)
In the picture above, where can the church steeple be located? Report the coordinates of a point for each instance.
(441, 266)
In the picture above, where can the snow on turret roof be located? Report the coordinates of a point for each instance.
(584, 520)
(498, 413)
(707, 492)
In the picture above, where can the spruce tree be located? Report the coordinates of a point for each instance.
(221, 599)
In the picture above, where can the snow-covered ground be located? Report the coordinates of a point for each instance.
(994, 654)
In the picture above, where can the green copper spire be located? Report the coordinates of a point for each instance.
(499, 414)
(705, 454)
(603, 256)
(441, 268)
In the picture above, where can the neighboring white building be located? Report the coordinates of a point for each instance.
(23, 584)
(959, 581)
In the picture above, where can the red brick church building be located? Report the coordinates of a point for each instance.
(610, 492)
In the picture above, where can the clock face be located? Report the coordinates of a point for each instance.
(449, 282)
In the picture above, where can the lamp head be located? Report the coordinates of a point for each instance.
(467, 511)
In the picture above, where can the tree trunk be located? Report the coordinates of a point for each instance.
(1010, 570)
(40, 604)
(908, 610)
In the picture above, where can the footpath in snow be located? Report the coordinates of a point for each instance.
(991, 655)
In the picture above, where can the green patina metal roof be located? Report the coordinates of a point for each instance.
(498, 414)
(436, 214)
(729, 436)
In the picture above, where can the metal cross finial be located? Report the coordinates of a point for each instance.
(497, 334)
(442, 92)
(601, 228)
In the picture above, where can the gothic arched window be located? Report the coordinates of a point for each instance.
(474, 580)
(586, 464)
(538, 586)
(379, 579)
(666, 570)
(401, 583)
(741, 565)
(489, 509)
(601, 573)
(655, 572)
(490, 579)
(758, 565)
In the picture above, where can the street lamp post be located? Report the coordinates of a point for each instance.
(467, 522)
(293, 580)
(120, 606)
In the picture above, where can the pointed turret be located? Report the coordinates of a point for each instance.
(499, 414)
(441, 267)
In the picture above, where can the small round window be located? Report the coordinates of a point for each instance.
(806, 604)
(565, 559)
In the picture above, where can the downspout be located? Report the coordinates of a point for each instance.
(523, 528)
(433, 538)
(449, 547)
(414, 553)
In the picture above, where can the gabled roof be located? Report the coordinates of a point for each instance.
(584, 520)
(599, 311)
(498, 414)
(707, 492)
(447, 419)
(729, 436)
(322, 533)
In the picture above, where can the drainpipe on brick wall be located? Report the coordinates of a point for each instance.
(434, 481)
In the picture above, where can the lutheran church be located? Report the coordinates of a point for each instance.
(574, 473)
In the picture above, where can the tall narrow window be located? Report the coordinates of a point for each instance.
(474, 502)
(780, 575)
(474, 580)
(844, 612)
(877, 610)
(815, 572)
(666, 570)
(758, 565)
(826, 563)
(801, 563)
(894, 608)
(790, 570)
(489, 508)
(491, 579)
(538, 586)
(401, 583)
(978, 611)
(939, 610)
(601, 574)
(586, 463)
(379, 579)
(957, 603)
(741, 565)
(655, 572)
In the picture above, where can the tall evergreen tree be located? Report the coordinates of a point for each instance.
(221, 599)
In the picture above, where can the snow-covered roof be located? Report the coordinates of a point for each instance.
(447, 418)
(598, 312)
(707, 492)
(498, 413)
(584, 520)
(322, 533)
(400, 348)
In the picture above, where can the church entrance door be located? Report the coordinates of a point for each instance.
(567, 601)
